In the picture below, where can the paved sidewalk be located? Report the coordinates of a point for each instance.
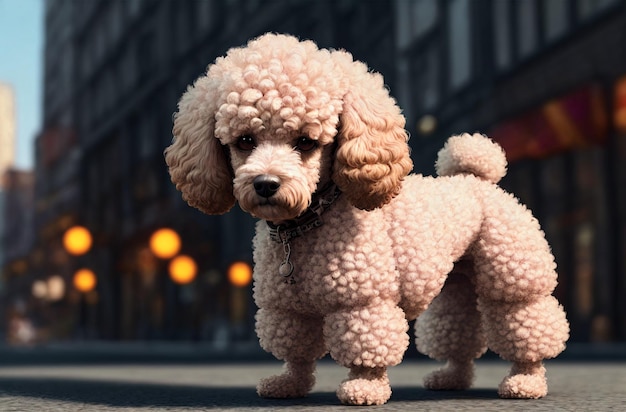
(104, 352)
(574, 386)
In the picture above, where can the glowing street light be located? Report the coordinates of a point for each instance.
(165, 243)
(85, 280)
(56, 288)
(39, 289)
(427, 124)
(183, 269)
(240, 274)
(77, 240)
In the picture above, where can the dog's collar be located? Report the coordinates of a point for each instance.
(308, 220)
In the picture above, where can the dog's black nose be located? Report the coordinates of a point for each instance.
(266, 185)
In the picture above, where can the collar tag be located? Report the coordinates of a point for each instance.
(304, 223)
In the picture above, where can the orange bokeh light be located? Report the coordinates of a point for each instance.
(77, 240)
(85, 280)
(619, 114)
(165, 243)
(183, 269)
(240, 274)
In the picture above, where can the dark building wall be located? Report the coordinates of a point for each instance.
(130, 62)
(471, 65)
(17, 237)
(541, 79)
(16, 241)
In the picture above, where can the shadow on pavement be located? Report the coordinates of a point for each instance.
(129, 394)
(414, 393)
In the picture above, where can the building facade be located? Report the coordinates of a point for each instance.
(114, 73)
(544, 79)
(7, 127)
(16, 243)
(7, 156)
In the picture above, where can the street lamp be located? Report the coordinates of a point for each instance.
(39, 289)
(85, 280)
(240, 274)
(51, 290)
(56, 288)
(427, 124)
(77, 240)
(183, 269)
(165, 243)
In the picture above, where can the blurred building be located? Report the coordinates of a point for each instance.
(114, 71)
(17, 237)
(7, 155)
(7, 127)
(547, 80)
(544, 78)
(16, 242)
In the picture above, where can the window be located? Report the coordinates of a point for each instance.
(403, 23)
(423, 16)
(116, 21)
(127, 70)
(459, 43)
(588, 8)
(146, 53)
(147, 133)
(134, 7)
(184, 24)
(414, 19)
(425, 70)
(430, 90)
(502, 33)
(205, 14)
(404, 84)
(526, 14)
(556, 18)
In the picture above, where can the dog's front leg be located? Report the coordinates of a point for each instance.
(297, 340)
(367, 340)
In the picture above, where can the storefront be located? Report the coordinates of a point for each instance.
(566, 162)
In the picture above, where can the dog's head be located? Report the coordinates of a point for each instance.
(275, 120)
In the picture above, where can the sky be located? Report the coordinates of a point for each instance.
(21, 66)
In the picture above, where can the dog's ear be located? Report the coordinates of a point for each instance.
(197, 161)
(372, 157)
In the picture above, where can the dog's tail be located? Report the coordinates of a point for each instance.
(474, 154)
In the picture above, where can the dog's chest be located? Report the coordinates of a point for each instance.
(346, 261)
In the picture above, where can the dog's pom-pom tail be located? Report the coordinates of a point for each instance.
(474, 154)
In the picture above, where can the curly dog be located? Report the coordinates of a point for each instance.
(350, 246)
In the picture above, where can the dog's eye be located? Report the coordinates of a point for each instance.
(246, 143)
(304, 144)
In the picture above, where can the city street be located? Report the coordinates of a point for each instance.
(574, 386)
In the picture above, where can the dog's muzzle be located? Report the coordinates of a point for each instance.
(266, 185)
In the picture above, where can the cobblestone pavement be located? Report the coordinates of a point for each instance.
(574, 386)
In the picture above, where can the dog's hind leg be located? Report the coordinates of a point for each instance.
(297, 340)
(525, 333)
(450, 330)
(515, 276)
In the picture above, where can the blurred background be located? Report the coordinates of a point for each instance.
(97, 245)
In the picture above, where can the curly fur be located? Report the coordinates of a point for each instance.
(455, 250)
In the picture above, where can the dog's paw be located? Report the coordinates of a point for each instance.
(523, 387)
(364, 392)
(450, 378)
(285, 386)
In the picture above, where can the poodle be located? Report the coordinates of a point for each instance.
(349, 246)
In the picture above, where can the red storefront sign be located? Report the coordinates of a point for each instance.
(577, 120)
